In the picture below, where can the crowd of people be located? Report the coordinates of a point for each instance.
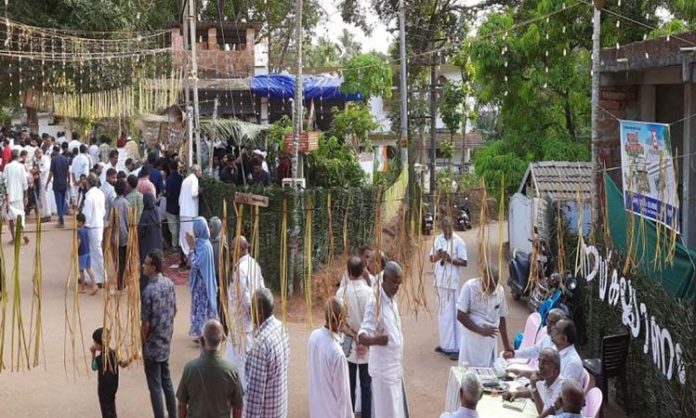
(355, 359)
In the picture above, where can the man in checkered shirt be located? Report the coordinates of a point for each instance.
(267, 362)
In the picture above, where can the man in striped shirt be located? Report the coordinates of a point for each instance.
(267, 362)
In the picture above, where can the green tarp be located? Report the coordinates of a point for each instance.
(677, 278)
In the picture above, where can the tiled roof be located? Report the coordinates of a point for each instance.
(561, 180)
(473, 139)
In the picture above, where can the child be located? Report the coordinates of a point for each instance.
(107, 378)
(83, 256)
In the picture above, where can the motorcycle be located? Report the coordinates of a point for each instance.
(559, 294)
(464, 215)
(427, 221)
(520, 267)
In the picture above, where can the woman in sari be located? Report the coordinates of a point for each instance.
(202, 282)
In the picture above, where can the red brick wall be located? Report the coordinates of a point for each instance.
(214, 62)
(620, 102)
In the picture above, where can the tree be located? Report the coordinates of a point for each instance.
(537, 77)
(353, 125)
(334, 165)
(369, 75)
(453, 107)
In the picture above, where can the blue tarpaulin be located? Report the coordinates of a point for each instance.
(282, 86)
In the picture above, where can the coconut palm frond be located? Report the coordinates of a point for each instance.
(236, 131)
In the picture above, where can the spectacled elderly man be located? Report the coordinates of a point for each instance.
(546, 384)
(470, 393)
(564, 336)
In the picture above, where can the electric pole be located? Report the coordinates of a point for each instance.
(296, 158)
(433, 120)
(403, 86)
(194, 78)
(596, 60)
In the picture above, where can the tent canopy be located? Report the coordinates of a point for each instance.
(282, 86)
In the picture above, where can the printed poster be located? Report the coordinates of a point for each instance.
(649, 181)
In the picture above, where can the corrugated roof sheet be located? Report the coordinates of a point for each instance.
(561, 180)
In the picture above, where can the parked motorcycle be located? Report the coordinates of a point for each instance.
(520, 267)
(559, 291)
(427, 220)
(464, 215)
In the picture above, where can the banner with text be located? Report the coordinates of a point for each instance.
(649, 181)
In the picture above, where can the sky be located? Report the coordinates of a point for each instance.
(378, 41)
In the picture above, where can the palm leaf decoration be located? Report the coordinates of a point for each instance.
(238, 132)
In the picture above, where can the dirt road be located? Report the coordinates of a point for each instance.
(53, 390)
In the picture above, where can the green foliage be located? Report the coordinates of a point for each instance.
(276, 133)
(353, 125)
(447, 149)
(369, 75)
(672, 27)
(334, 164)
(452, 107)
(445, 181)
(359, 203)
(493, 161)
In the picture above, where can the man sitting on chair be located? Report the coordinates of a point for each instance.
(470, 394)
(546, 384)
(533, 351)
(571, 401)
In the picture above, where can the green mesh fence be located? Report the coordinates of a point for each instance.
(358, 203)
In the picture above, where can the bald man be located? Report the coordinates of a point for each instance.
(448, 256)
(245, 280)
(210, 385)
(329, 386)
(571, 401)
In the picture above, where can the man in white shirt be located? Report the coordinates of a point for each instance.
(93, 151)
(329, 390)
(546, 385)
(113, 161)
(564, 336)
(470, 393)
(482, 309)
(94, 211)
(44, 163)
(16, 194)
(448, 255)
(355, 296)
(533, 351)
(381, 332)
(246, 279)
(75, 143)
(188, 206)
(80, 165)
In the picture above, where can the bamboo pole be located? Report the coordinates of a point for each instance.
(37, 300)
(3, 295)
(308, 258)
(284, 259)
